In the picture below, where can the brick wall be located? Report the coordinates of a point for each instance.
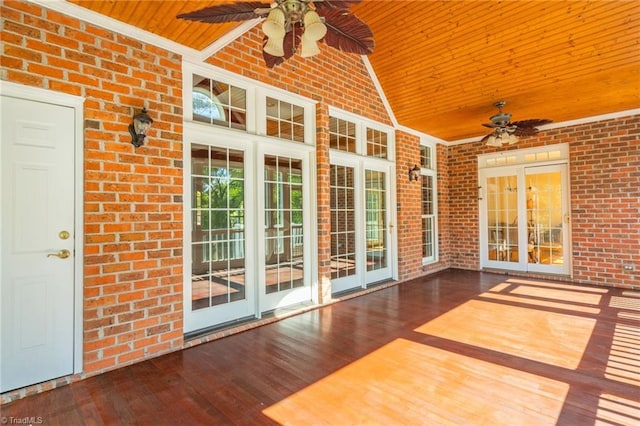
(133, 198)
(605, 199)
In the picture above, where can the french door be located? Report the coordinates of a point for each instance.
(250, 240)
(524, 218)
(362, 238)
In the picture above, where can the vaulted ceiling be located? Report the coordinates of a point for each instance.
(443, 64)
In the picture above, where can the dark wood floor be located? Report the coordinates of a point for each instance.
(458, 348)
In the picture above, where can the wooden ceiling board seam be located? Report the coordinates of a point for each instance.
(623, 102)
(630, 74)
(472, 46)
(550, 40)
(169, 15)
(578, 55)
(417, 104)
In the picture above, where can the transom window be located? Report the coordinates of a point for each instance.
(376, 143)
(425, 157)
(219, 103)
(358, 135)
(285, 120)
(342, 134)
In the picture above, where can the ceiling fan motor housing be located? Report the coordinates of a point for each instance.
(501, 119)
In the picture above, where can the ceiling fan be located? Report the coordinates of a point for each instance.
(506, 132)
(293, 23)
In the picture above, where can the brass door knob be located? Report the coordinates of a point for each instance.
(62, 254)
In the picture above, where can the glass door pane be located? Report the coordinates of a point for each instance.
(217, 235)
(502, 218)
(284, 267)
(546, 207)
(343, 217)
(283, 275)
(376, 226)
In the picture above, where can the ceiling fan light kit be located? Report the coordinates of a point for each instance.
(290, 24)
(507, 132)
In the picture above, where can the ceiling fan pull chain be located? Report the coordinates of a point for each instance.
(293, 39)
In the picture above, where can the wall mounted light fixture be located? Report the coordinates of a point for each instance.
(414, 173)
(138, 129)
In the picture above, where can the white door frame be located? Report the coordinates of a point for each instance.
(36, 94)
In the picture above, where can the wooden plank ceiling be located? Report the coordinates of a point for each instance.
(442, 64)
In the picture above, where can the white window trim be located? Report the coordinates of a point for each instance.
(433, 172)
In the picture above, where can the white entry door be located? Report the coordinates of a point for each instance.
(37, 242)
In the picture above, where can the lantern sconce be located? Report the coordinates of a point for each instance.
(414, 173)
(138, 129)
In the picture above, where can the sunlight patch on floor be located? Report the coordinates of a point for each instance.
(407, 382)
(559, 305)
(558, 294)
(615, 410)
(623, 364)
(563, 286)
(542, 336)
(629, 303)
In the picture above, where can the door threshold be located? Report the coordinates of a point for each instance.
(541, 275)
(229, 328)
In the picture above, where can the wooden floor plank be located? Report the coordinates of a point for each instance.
(459, 347)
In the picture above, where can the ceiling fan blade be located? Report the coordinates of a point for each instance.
(534, 122)
(525, 131)
(334, 4)
(347, 33)
(490, 125)
(241, 11)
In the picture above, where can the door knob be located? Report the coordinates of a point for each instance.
(62, 254)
